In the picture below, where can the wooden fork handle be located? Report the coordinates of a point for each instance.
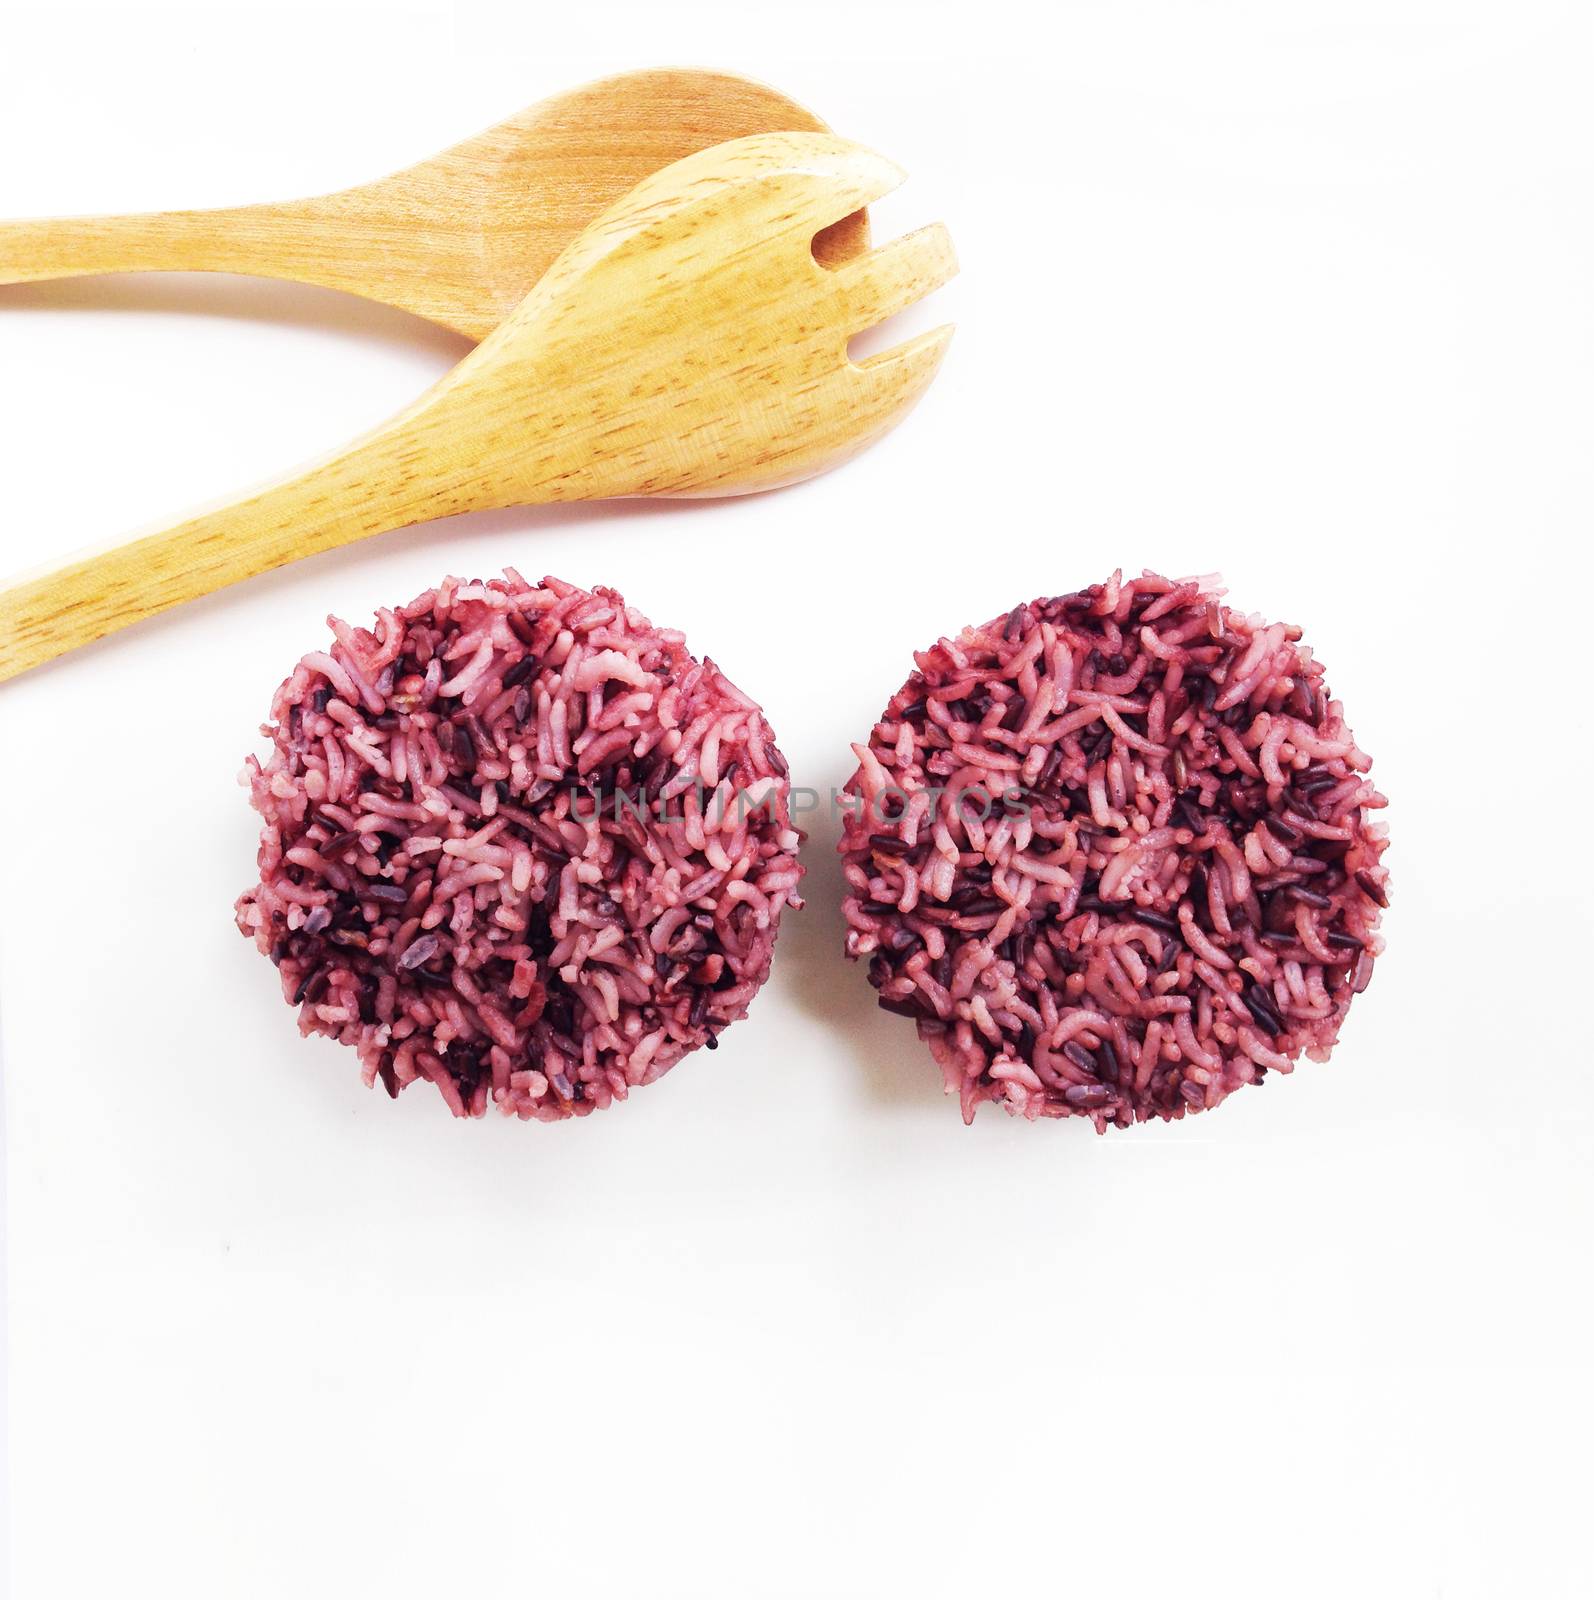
(364, 491)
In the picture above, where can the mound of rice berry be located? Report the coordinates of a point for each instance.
(1112, 853)
(518, 844)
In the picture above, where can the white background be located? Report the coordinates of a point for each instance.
(1299, 292)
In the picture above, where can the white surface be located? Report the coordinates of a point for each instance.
(1299, 292)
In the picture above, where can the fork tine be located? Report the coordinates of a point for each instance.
(847, 179)
(895, 276)
(891, 384)
(913, 362)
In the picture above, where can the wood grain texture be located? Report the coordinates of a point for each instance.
(687, 343)
(461, 238)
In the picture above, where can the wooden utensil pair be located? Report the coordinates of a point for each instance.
(689, 337)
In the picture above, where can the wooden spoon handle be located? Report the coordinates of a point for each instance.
(367, 489)
(258, 240)
(338, 241)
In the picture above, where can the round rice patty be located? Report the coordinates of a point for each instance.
(1174, 886)
(519, 843)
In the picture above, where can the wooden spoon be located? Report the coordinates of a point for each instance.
(461, 238)
(687, 343)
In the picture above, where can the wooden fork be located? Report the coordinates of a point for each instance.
(687, 343)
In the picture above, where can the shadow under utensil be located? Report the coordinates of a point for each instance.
(239, 299)
(898, 1069)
